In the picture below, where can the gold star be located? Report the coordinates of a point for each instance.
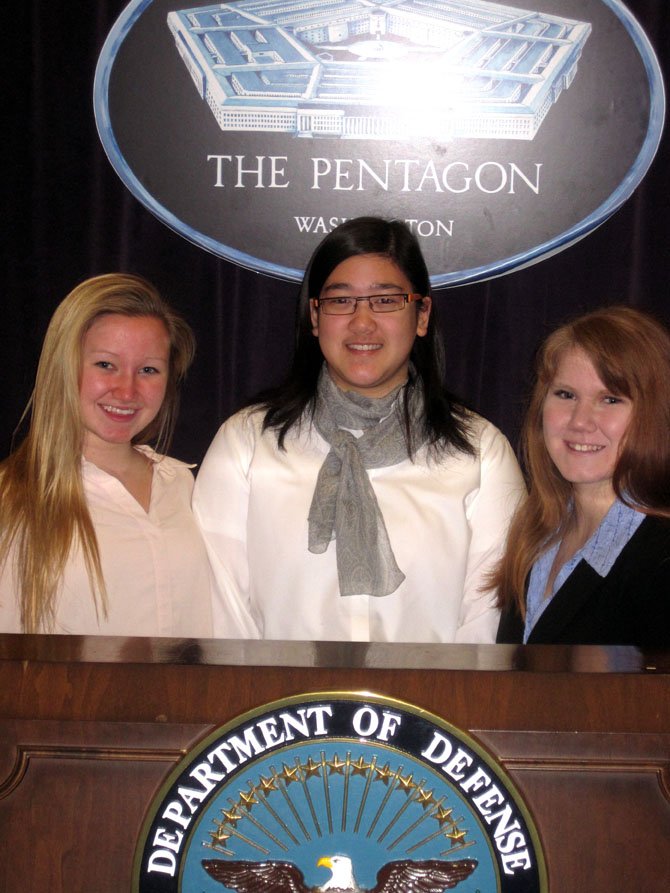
(311, 768)
(289, 775)
(336, 765)
(383, 774)
(248, 799)
(442, 815)
(232, 817)
(425, 798)
(360, 767)
(455, 835)
(268, 784)
(406, 784)
(219, 836)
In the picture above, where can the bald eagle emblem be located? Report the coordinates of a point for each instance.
(402, 876)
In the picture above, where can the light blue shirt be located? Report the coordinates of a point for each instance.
(600, 551)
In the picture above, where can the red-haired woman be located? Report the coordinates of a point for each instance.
(588, 555)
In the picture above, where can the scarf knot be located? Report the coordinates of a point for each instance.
(344, 506)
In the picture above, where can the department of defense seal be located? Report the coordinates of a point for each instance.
(347, 792)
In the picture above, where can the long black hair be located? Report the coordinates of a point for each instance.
(445, 423)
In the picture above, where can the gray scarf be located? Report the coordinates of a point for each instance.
(344, 506)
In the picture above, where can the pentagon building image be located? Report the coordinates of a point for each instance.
(370, 69)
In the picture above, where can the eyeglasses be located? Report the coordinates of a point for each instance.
(346, 305)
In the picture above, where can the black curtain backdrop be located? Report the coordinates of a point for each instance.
(67, 216)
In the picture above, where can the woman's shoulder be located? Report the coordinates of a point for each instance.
(239, 436)
(167, 469)
(162, 461)
(244, 427)
(653, 533)
(249, 425)
(484, 436)
(477, 425)
(645, 557)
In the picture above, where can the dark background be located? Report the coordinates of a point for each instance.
(67, 216)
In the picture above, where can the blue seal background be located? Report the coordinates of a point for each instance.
(367, 853)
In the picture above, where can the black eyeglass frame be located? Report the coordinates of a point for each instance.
(322, 303)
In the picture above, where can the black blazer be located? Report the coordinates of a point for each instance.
(630, 606)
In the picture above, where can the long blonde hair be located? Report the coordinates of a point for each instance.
(630, 351)
(43, 509)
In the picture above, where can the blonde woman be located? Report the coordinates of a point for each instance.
(96, 533)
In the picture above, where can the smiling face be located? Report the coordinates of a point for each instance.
(124, 374)
(583, 425)
(369, 352)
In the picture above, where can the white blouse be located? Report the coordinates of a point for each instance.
(154, 563)
(446, 521)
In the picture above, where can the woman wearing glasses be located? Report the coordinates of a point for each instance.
(359, 501)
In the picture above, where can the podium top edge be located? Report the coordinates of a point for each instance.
(351, 655)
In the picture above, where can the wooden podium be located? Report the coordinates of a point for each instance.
(91, 727)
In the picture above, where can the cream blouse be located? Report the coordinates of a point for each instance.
(154, 563)
(446, 521)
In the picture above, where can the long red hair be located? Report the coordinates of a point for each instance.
(630, 351)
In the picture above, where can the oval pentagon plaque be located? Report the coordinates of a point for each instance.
(501, 132)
